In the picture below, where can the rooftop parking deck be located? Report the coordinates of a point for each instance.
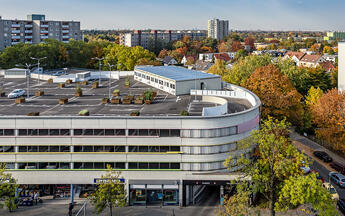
(163, 104)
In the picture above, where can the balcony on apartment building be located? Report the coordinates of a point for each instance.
(15, 36)
(15, 42)
(28, 41)
(43, 31)
(28, 36)
(65, 31)
(28, 31)
(65, 25)
(28, 25)
(65, 36)
(44, 36)
(16, 25)
(15, 31)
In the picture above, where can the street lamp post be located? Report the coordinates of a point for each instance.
(38, 66)
(109, 83)
(100, 64)
(27, 78)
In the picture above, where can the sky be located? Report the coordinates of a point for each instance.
(186, 14)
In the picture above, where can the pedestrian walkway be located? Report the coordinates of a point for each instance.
(310, 146)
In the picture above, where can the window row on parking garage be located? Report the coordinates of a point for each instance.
(94, 165)
(87, 148)
(184, 133)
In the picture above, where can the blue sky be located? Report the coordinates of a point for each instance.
(186, 14)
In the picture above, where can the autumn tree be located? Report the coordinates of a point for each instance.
(110, 192)
(163, 53)
(250, 42)
(236, 45)
(278, 96)
(329, 116)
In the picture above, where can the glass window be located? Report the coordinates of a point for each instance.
(78, 148)
(120, 132)
(22, 132)
(8, 132)
(88, 132)
(153, 165)
(164, 133)
(64, 132)
(133, 165)
(99, 132)
(120, 149)
(132, 148)
(175, 133)
(65, 149)
(164, 148)
(54, 132)
(43, 148)
(174, 166)
(23, 148)
(32, 148)
(88, 166)
(87, 148)
(143, 165)
(99, 148)
(54, 149)
(32, 132)
(175, 148)
(43, 132)
(99, 165)
(109, 148)
(164, 165)
(120, 165)
(109, 132)
(133, 132)
(143, 148)
(153, 132)
(143, 132)
(78, 132)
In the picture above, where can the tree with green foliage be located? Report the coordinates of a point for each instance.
(218, 68)
(237, 204)
(275, 160)
(313, 96)
(8, 188)
(244, 68)
(308, 191)
(110, 192)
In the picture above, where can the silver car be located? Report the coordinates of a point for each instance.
(337, 178)
(16, 93)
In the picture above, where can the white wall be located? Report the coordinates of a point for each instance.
(341, 63)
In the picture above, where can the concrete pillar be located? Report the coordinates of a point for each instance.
(127, 190)
(187, 194)
(180, 191)
(71, 164)
(221, 195)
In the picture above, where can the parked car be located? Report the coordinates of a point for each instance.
(306, 169)
(338, 167)
(341, 205)
(16, 93)
(331, 190)
(318, 176)
(323, 156)
(337, 178)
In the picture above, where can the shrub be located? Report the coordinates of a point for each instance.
(148, 95)
(184, 113)
(84, 112)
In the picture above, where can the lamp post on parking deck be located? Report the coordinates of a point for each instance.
(27, 73)
(109, 83)
(38, 66)
(100, 64)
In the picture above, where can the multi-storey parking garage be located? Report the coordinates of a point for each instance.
(165, 158)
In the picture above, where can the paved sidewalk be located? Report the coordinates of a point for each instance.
(313, 146)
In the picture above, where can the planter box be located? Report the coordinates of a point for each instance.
(84, 113)
(2, 94)
(129, 97)
(138, 101)
(85, 83)
(50, 80)
(115, 101)
(63, 100)
(78, 94)
(116, 94)
(127, 86)
(61, 85)
(19, 100)
(126, 101)
(148, 101)
(95, 85)
(39, 93)
(134, 114)
(105, 100)
(68, 81)
(33, 114)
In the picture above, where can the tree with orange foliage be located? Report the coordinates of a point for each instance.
(278, 96)
(329, 116)
(182, 51)
(315, 47)
(236, 45)
(249, 41)
(163, 53)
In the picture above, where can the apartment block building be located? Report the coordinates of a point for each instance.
(35, 29)
(152, 38)
(218, 29)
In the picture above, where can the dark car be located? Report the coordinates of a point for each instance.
(341, 205)
(323, 156)
(338, 167)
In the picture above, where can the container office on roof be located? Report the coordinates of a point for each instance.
(176, 80)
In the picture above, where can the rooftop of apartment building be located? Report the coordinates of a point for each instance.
(33, 17)
(163, 104)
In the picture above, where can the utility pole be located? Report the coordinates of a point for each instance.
(38, 66)
(27, 73)
(109, 82)
(100, 64)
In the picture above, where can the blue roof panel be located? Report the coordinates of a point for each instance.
(176, 73)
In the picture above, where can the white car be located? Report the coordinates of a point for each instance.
(332, 190)
(306, 169)
(16, 93)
